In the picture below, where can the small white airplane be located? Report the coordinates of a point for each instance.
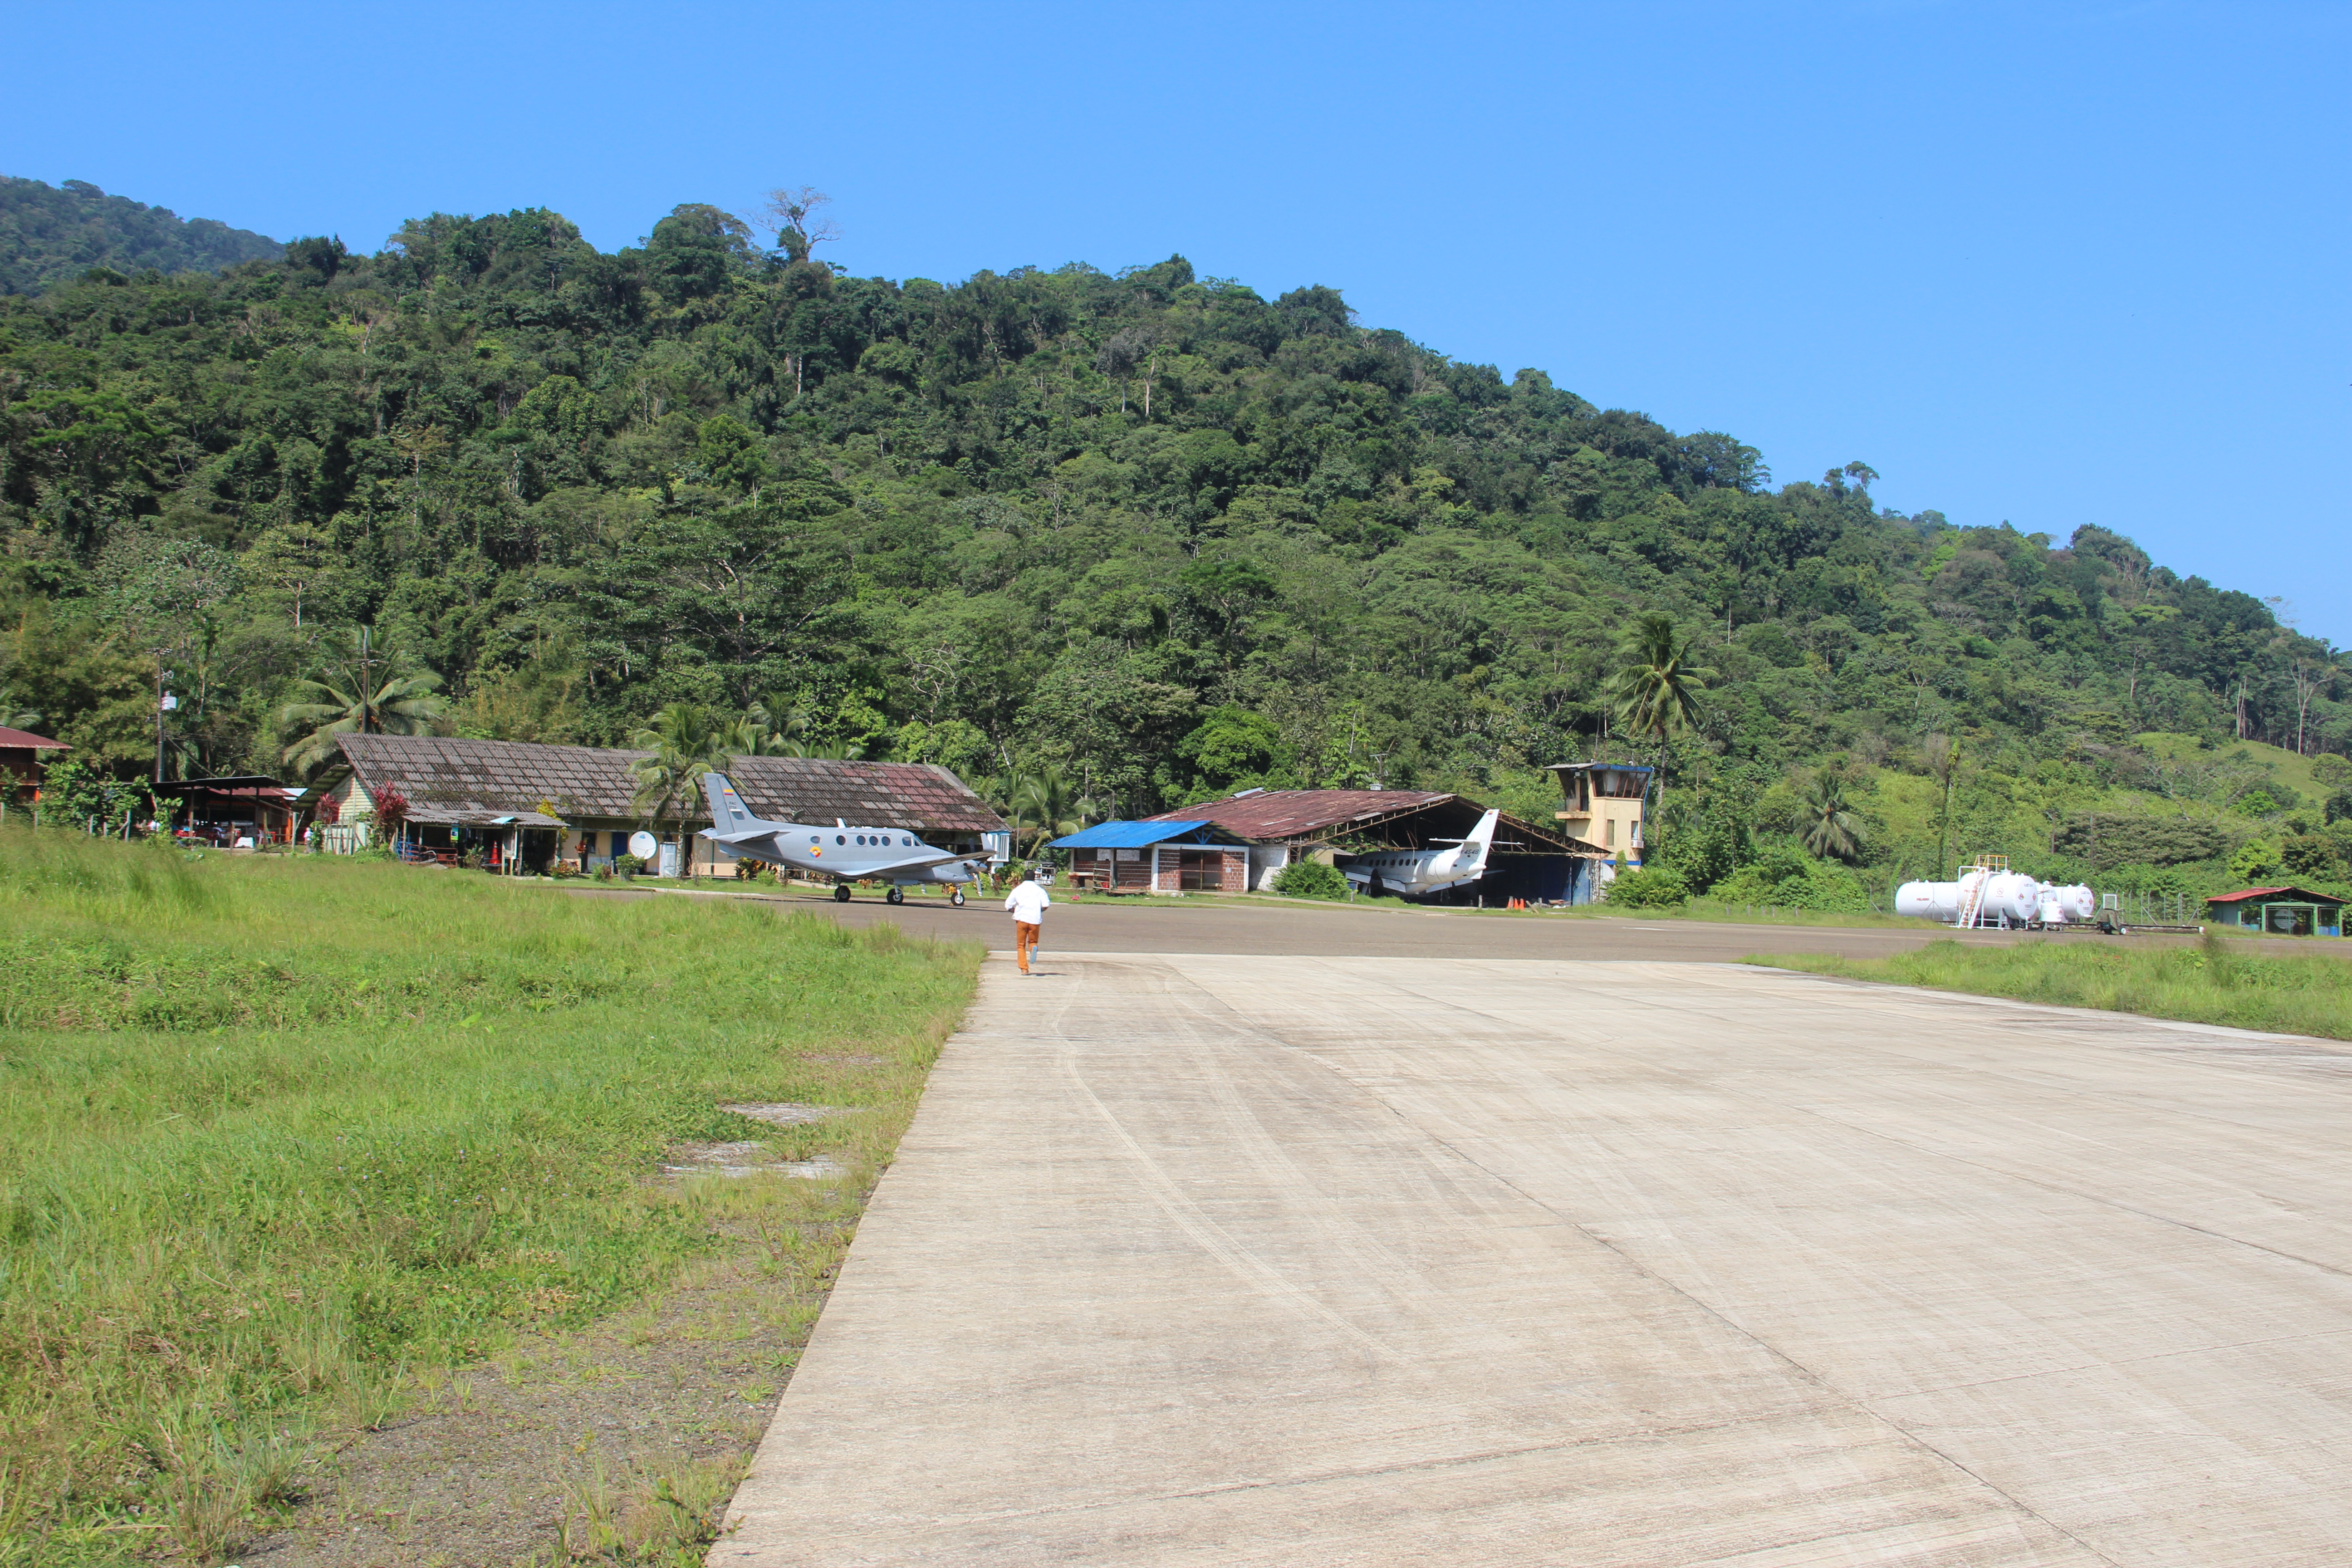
(1414, 872)
(844, 853)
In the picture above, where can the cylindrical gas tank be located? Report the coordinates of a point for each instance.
(2074, 903)
(2012, 894)
(1929, 901)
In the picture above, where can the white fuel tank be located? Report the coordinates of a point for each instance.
(2020, 898)
(1930, 900)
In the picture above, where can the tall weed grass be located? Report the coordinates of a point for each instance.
(275, 1134)
(2213, 983)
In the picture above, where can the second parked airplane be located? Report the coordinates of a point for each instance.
(1414, 872)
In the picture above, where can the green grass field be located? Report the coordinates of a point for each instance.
(279, 1135)
(2213, 982)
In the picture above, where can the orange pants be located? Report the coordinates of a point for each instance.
(1024, 940)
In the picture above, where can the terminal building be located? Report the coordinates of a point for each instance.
(523, 807)
(1258, 832)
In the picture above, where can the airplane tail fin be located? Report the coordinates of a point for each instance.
(1482, 836)
(728, 811)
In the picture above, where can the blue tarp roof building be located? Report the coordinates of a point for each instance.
(1143, 835)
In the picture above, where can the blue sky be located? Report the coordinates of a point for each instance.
(2055, 264)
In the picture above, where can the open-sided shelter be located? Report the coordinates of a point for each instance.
(526, 805)
(1282, 826)
(2284, 911)
(244, 811)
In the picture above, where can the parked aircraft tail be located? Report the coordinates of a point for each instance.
(1482, 836)
(728, 811)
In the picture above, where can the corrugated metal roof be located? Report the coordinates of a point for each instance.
(474, 779)
(1131, 834)
(1291, 814)
(2300, 895)
(1303, 813)
(13, 739)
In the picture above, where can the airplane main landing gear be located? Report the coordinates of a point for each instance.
(895, 896)
(841, 893)
(956, 898)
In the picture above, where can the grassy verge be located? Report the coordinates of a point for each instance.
(283, 1141)
(2206, 984)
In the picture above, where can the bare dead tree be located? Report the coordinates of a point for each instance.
(793, 214)
(2307, 681)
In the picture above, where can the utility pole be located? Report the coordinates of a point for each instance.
(159, 716)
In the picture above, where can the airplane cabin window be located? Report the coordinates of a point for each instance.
(841, 838)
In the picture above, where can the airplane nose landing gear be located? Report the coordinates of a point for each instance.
(956, 898)
(895, 896)
(841, 893)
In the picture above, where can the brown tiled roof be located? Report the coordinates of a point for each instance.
(458, 780)
(24, 738)
(885, 794)
(1301, 813)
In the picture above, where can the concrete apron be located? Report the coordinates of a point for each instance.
(1292, 1261)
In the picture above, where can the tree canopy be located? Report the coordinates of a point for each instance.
(1150, 530)
(48, 233)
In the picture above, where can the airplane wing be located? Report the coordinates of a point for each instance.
(741, 836)
(913, 863)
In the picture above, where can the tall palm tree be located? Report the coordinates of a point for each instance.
(361, 692)
(1050, 804)
(779, 721)
(685, 745)
(774, 726)
(1832, 828)
(1658, 680)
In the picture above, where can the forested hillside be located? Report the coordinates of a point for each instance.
(49, 233)
(1149, 531)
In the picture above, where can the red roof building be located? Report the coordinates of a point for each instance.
(2286, 911)
(23, 755)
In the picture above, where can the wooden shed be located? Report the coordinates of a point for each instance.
(23, 755)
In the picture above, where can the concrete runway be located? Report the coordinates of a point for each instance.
(1212, 1260)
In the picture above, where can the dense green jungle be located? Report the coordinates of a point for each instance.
(1101, 541)
(50, 233)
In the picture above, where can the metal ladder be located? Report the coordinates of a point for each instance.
(1972, 902)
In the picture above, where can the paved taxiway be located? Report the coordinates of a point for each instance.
(1280, 1259)
(1336, 930)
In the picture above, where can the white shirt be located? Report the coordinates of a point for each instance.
(1028, 903)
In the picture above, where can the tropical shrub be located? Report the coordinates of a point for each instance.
(1652, 887)
(1787, 877)
(1310, 880)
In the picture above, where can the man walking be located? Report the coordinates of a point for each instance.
(1028, 903)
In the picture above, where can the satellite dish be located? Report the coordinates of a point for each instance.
(643, 845)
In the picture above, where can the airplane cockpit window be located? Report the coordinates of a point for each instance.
(815, 840)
